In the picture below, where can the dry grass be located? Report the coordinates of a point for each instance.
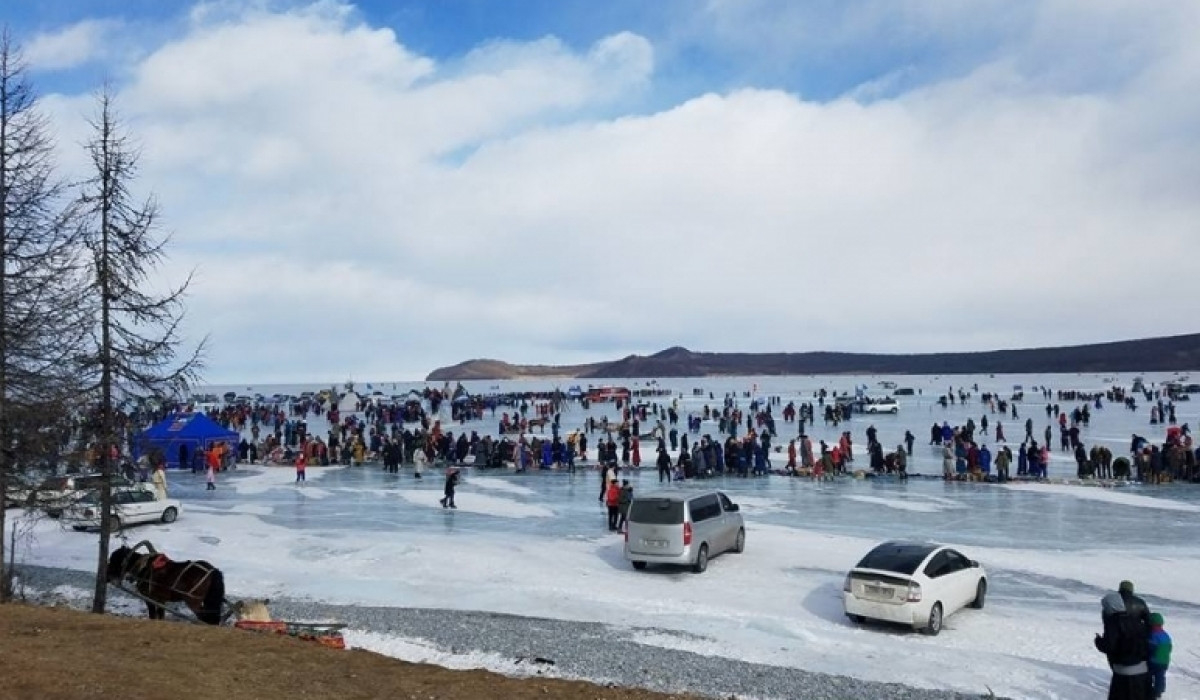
(61, 654)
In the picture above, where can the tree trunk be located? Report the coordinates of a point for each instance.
(100, 598)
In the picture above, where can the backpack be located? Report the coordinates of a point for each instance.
(1132, 645)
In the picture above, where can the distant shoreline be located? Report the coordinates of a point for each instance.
(1179, 353)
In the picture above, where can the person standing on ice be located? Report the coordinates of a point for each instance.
(999, 432)
(624, 500)
(664, 465)
(909, 439)
(159, 479)
(301, 465)
(448, 490)
(612, 499)
(1127, 646)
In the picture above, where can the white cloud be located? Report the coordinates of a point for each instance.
(356, 207)
(69, 47)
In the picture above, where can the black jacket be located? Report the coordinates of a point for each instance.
(1137, 608)
(1127, 650)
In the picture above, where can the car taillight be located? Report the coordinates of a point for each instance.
(687, 534)
(846, 587)
(914, 593)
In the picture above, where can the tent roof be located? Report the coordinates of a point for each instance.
(189, 426)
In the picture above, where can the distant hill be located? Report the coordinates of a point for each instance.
(1174, 353)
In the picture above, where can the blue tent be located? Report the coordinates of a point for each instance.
(193, 432)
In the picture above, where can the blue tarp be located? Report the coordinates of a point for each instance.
(194, 432)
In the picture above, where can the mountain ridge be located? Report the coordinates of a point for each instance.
(1160, 354)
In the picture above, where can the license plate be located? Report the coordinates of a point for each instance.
(878, 591)
(655, 543)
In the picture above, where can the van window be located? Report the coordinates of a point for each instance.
(656, 511)
(704, 508)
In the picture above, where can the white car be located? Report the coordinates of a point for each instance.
(130, 506)
(884, 405)
(913, 583)
(57, 493)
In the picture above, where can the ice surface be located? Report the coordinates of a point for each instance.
(536, 544)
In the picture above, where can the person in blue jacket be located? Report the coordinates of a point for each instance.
(1160, 655)
(985, 461)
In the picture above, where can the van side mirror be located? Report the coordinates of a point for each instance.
(733, 508)
(974, 564)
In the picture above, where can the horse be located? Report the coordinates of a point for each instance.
(198, 584)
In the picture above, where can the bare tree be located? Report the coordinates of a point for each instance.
(136, 332)
(39, 313)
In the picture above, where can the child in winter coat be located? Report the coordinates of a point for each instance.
(1160, 655)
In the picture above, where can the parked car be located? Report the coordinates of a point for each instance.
(56, 493)
(913, 583)
(883, 405)
(131, 505)
(682, 529)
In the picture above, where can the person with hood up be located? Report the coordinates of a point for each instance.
(1127, 647)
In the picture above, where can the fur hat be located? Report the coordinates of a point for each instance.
(1126, 587)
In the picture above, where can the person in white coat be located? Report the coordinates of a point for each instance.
(420, 460)
(159, 479)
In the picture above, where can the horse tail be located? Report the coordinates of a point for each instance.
(214, 598)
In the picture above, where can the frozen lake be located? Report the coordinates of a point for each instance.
(535, 544)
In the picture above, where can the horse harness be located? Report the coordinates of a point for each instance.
(147, 565)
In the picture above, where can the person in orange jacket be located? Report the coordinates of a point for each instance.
(612, 499)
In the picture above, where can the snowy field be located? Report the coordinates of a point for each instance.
(535, 545)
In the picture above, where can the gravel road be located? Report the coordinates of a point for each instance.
(597, 652)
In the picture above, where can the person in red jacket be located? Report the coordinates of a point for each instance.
(301, 465)
(612, 499)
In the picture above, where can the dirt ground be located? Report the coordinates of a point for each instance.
(61, 654)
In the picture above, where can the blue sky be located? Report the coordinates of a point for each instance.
(694, 55)
(382, 188)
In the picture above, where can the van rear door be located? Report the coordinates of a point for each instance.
(656, 527)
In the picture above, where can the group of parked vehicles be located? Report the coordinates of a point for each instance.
(916, 584)
(75, 499)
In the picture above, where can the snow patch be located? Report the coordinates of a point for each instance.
(1108, 495)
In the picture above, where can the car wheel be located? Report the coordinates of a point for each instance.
(79, 528)
(895, 411)
(639, 565)
(980, 594)
(114, 524)
(739, 545)
(935, 620)
(169, 515)
(701, 560)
